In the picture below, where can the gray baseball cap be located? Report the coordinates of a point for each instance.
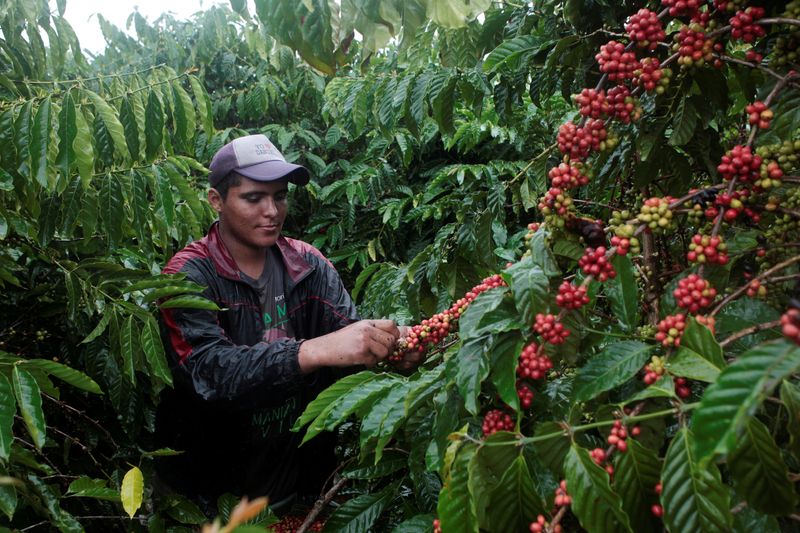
(254, 157)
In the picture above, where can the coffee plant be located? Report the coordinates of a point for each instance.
(588, 213)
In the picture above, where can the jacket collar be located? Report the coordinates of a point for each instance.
(295, 263)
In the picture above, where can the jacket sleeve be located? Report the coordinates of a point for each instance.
(209, 364)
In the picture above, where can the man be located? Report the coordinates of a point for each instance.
(288, 328)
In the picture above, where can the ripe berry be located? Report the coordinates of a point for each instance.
(497, 420)
(571, 296)
(598, 456)
(594, 262)
(741, 163)
(682, 388)
(618, 437)
(592, 103)
(566, 176)
(437, 526)
(744, 24)
(657, 510)
(524, 394)
(578, 142)
(756, 289)
(616, 62)
(550, 329)
(706, 249)
(790, 325)
(651, 77)
(679, 8)
(541, 525)
(694, 293)
(758, 114)
(562, 497)
(654, 370)
(770, 175)
(533, 363)
(693, 47)
(645, 28)
(752, 55)
(670, 330)
(623, 105)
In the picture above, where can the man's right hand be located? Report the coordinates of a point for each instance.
(365, 342)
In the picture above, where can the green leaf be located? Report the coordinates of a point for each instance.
(490, 312)
(127, 116)
(63, 372)
(6, 181)
(456, 507)
(86, 487)
(109, 117)
(154, 126)
(8, 408)
(184, 117)
(111, 206)
(597, 507)
(190, 302)
(129, 345)
(99, 328)
(636, 475)
(442, 94)
(739, 390)
(360, 513)
(67, 131)
(683, 123)
(505, 349)
(693, 496)
(509, 53)
(8, 497)
(184, 510)
(29, 402)
(790, 396)
(699, 356)
(472, 367)
(759, 474)
(326, 399)
(384, 418)
(40, 139)
(416, 524)
(663, 388)
(514, 503)
(84, 150)
(376, 471)
(530, 287)
(541, 254)
(689, 364)
(623, 293)
(172, 281)
(615, 365)
(203, 105)
(132, 491)
(552, 450)
(154, 351)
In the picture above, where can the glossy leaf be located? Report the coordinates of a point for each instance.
(612, 367)
(154, 126)
(325, 399)
(99, 328)
(384, 419)
(203, 105)
(553, 447)
(63, 372)
(111, 121)
(184, 116)
(739, 390)
(699, 356)
(623, 293)
(759, 474)
(127, 117)
(456, 507)
(636, 474)
(40, 139)
(530, 287)
(790, 396)
(132, 491)
(514, 503)
(84, 149)
(597, 507)
(8, 496)
(693, 496)
(471, 370)
(29, 403)
(360, 513)
(129, 345)
(86, 487)
(154, 351)
(504, 355)
(67, 131)
(8, 408)
(190, 302)
(111, 206)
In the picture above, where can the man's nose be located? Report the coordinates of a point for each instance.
(269, 207)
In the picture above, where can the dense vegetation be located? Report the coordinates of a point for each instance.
(588, 210)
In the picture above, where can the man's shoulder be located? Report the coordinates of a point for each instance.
(307, 251)
(192, 252)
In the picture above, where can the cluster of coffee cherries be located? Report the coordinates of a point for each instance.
(744, 24)
(656, 508)
(654, 370)
(732, 205)
(562, 498)
(707, 249)
(430, 332)
(599, 456)
(656, 214)
(682, 389)
(525, 394)
(551, 330)
(756, 289)
(595, 263)
(753, 56)
(568, 176)
(496, 420)
(437, 526)
(694, 293)
(651, 77)
(616, 62)
(592, 103)
(740, 162)
(790, 325)
(291, 523)
(758, 114)
(678, 8)
(618, 437)
(693, 46)
(624, 106)
(533, 363)
(578, 141)
(770, 175)
(645, 28)
(541, 525)
(571, 296)
(671, 329)
(624, 239)
(554, 205)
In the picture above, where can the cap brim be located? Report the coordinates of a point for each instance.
(276, 170)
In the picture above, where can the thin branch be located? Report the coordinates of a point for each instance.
(761, 277)
(320, 504)
(84, 416)
(749, 331)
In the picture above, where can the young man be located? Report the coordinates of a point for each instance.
(287, 330)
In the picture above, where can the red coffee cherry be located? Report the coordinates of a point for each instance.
(651, 77)
(741, 163)
(694, 293)
(693, 46)
(533, 363)
(645, 29)
(541, 525)
(657, 510)
(744, 24)
(618, 437)
(706, 249)
(592, 103)
(682, 388)
(679, 8)
(707, 321)
(562, 497)
(670, 330)
(624, 106)
(568, 176)
(437, 526)
(654, 370)
(571, 296)
(616, 62)
(790, 325)
(752, 55)
(595, 263)
(550, 329)
(524, 394)
(756, 290)
(497, 420)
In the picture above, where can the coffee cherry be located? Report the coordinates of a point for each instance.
(497, 420)
(756, 290)
(758, 114)
(594, 262)
(524, 394)
(770, 175)
(562, 497)
(623, 105)
(679, 8)
(790, 325)
(654, 370)
(571, 296)
(437, 526)
(706, 249)
(651, 77)
(741, 163)
(290, 524)
(577, 142)
(656, 214)
(541, 525)
(657, 510)
(550, 329)
(744, 24)
(752, 55)
(618, 437)
(693, 47)
(592, 103)
(670, 330)
(694, 293)
(645, 29)
(616, 62)
(682, 389)
(566, 176)
(598, 456)
(533, 363)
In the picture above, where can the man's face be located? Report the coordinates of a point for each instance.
(253, 212)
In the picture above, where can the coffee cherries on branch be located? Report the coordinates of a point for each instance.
(758, 114)
(790, 325)
(618, 437)
(541, 525)
(679, 8)
(645, 29)
(437, 526)
(595, 263)
(671, 329)
(693, 47)
(568, 176)
(651, 77)
(533, 363)
(694, 293)
(616, 62)
(656, 214)
(706, 249)
(744, 24)
(562, 497)
(550, 329)
(654, 370)
(741, 163)
(682, 389)
(623, 106)
(571, 296)
(525, 395)
(592, 103)
(497, 420)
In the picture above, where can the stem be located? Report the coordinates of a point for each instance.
(320, 504)
(780, 20)
(531, 162)
(741, 290)
(749, 331)
(556, 519)
(81, 80)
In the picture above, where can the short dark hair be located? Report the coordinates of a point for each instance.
(233, 179)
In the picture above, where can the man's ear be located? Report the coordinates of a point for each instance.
(215, 199)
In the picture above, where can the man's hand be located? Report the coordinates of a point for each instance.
(412, 359)
(361, 343)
